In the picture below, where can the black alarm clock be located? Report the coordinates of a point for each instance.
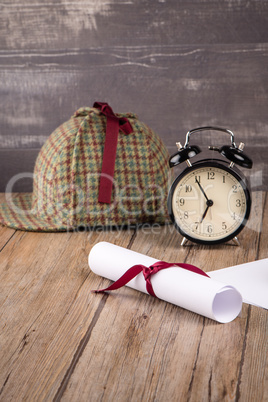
(210, 201)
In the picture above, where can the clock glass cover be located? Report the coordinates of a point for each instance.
(209, 203)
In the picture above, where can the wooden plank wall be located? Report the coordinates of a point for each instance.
(178, 64)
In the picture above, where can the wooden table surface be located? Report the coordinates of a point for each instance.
(60, 341)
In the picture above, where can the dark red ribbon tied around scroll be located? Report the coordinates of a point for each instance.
(147, 273)
(113, 125)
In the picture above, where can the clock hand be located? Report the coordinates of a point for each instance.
(209, 204)
(204, 214)
(201, 188)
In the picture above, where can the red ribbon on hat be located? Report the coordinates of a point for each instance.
(113, 125)
(147, 273)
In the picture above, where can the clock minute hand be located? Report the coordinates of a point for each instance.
(201, 188)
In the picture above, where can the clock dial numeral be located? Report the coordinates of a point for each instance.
(197, 179)
(188, 188)
(211, 176)
(182, 202)
(209, 229)
(224, 226)
(196, 225)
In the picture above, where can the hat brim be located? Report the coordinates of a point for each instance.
(16, 213)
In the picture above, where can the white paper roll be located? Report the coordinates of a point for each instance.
(175, 285)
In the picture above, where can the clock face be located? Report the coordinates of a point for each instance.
(209, 203)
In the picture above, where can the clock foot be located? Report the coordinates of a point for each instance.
(236, 241)
(184, 241)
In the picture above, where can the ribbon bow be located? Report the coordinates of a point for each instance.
(147, 273)
(113, 125)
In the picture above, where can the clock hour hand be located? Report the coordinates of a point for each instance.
(209, 204)
(204, 214)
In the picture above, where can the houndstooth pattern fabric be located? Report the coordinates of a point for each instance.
(67, 175)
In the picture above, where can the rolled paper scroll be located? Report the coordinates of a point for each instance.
(175, 285)
(250, 279)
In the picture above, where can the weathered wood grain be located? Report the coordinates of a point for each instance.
(5, 233)
(263, 246)
(254, 376)
(46, 309)
(173, 89)
(5, 236)
(60, 341)
(87, 23)
(133, 366)
(165, 352)
(177, 64)
(17, 167)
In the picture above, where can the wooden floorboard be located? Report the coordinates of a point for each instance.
(59, 341)
(46, 308)
(254, 376)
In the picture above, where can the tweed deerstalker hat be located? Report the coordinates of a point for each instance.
(97, 169)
